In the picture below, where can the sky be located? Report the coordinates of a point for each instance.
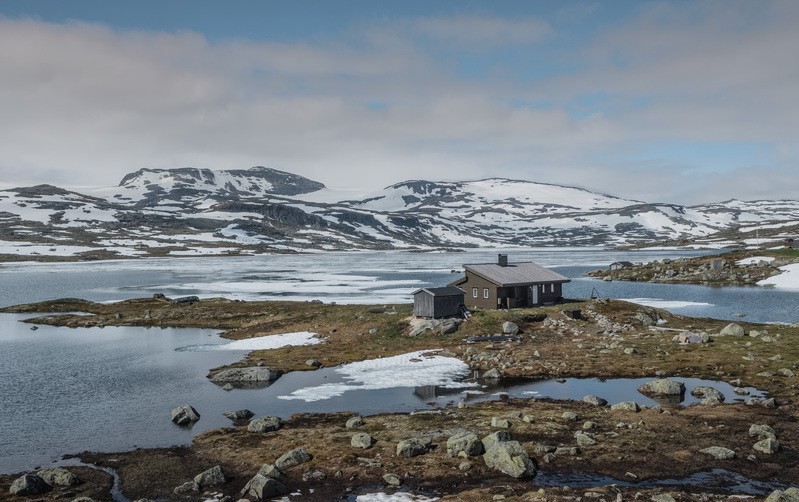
(672, 101)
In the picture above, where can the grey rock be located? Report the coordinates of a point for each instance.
(588, 425)
(294, 457)
(567, 451)
(427, 325)
(265, 424)
(630, 351)
(392, 479)
(662, 497)
(662, 387)
(85, 499)
(646, 319)
(210, 477)
(354, 422)
(29, 484)
(596, 401)
(705, 392)
(584, 440)
(762, 432)
(448, 326)
(626, 406)
(509, 457)
(789, 495)
(570, 416)
(252, 374)
(187, 488)
(785, 372)
(362, 440)
(262, 487)
(500, 423)
(492, 374)
(732, 329)
(58, 477)
(228, 386)
(719, 452)
(496, 437)
(313, 363)
(464, 466)
(464, 444)
(510, 328)
(314, 475)
(768, 446)
(270, 471)
(239, 416)
(413, 447)
(185, 415)
(545, 448)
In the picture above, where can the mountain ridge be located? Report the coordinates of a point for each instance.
(184, 211)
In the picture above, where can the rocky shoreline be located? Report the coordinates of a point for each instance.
(728, 269)
(501, 449)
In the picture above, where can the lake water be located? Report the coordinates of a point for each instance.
(68, 390)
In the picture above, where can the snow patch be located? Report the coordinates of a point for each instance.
(755, 259)
(260, 342)
(414, 369)
(665, 304)
(788, 279)
(393, 497)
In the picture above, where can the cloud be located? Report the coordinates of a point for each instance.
(85, 103)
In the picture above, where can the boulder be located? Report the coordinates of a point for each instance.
(413, 447)
(465, 444)
(392, 479)
(58, 477)
(705, 392)
(510, 328)
(448, 326)
(718, 452)
(662, 387)
(762, 432)
(265, 424)
(313, 363)
(768, 446)
(362, 440)
(596, 401)
(496, 437)
(492, 374)
(185, 415)
(239, 416)
(789, 495)
(570, 416)
(29, 484)
(584, 439)
(626, 406)
(509, 457)
(732, 329)
(314, 475)
(294, 457)
(426, 325)
(261, 487)
(270, 471)
(354, 422)
(252, 374)
(646, 319)
(210, 477)
(500, 423)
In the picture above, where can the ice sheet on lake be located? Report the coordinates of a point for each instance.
(414, 369)
(665, 304)
(260, 342)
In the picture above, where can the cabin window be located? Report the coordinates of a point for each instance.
(474, 292)
(485, 292)
(551, 288)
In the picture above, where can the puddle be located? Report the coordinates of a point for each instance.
(716, 480)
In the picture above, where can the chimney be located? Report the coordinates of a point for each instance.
(502, 260)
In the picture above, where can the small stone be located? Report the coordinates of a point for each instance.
(261, 487)
(239, 416)
(762, 432)
(265, 424)
(354, 422)
(496, 437)
(567, 451)
(510, 458)
(185, 415)
(584, 440)
(785, 372)
(570, 416)
(588, 425)
(392, 479)
(213, 476)
(187, 488)
(464, 444)
(314, 475)
(313, 363)
(732, 329)
(626, 406)
(228, 387)
(29, 484)
(58, 477)
(500, 423)
(630, 351)
(596, 401)
(662, 497)
(362, 440)
(294, 457)
(510, 328)
(413, 447)
(464, 466)
(768, 446)
(719, 452)
(492, 374)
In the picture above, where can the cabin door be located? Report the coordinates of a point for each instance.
(533, 295)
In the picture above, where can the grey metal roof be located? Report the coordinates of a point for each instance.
(515, 274)
(445, 291)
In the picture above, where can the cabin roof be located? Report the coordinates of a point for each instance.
(515, 274)
(444, 291)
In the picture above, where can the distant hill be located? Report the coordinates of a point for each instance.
(189, 211)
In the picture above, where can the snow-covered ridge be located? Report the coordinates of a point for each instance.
(189, 211)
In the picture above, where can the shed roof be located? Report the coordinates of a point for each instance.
(515, 274)
(445, 291)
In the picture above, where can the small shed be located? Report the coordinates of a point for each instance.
(616, 265)
(438, 302)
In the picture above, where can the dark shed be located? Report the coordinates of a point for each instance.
(437, 302)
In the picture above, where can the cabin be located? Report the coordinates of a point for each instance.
(504, 285)
(618, 265)
(438, 302)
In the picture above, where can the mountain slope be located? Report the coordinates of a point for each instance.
(189, 211)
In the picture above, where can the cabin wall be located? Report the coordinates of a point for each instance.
(427, 305)
(473, 281)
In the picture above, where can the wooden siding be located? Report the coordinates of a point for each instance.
(428, 305)
(509, 297)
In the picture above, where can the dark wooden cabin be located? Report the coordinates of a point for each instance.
(438, 302)
(510, 285)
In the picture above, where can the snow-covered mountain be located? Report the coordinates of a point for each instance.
(200, 211)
